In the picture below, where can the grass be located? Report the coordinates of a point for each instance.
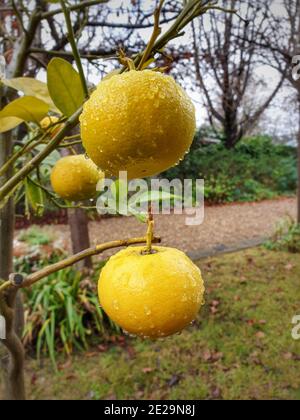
(35, 236)
(239, 348)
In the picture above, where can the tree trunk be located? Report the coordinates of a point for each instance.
(78, 222)
(298, 164)
(12, 362)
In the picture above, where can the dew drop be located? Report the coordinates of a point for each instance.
(116, 305)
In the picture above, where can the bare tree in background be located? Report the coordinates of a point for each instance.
(280, 45)
(225, 67)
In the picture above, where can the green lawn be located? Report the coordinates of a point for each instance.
(239, 348)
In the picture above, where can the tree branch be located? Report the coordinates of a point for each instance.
(30, 166)
(80, 6)
(47, 271)
(92, 55)
(73, 44)
(127, 25)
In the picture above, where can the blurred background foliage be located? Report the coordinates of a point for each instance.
(256, 169)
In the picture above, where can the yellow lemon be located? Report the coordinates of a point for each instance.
(151, 295)
(141, 122)
(48, 122)
(75, 178)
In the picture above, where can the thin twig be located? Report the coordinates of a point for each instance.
(24, 149)
(52, 197)
(71, 37)
(30, 166)
(80, 6)
(70, 144)
(97, 250)
(155, 34)
(19, 16)
(68, 54)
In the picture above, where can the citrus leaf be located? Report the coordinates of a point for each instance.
(141, 217)
(31, 87)
(9, 123)
(64, 86)
(34, 197)
(26, 108)
(156, 196)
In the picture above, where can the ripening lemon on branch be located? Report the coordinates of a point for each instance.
(151, 295)
(75, 178)
(141, 122)
(50, 121)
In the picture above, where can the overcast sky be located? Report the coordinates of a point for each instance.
(279, 119)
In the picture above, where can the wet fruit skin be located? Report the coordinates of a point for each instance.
(49, 121)
(141, 122)
(75, 178)
(152, 295)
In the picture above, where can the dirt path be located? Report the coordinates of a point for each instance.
(223, 227)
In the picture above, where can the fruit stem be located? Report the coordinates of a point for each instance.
(150, 231)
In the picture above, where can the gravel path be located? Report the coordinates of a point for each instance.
(224, 226)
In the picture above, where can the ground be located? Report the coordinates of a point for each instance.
(224, 226)
(239, 348)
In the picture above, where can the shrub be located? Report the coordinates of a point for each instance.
(255, 169)
(286, 237)
(34, 236)
(62, 311)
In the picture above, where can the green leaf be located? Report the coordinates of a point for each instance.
(141, 217)
(26, 108)
(31, 87)
(65, 87)
(34, 197)
(156, 196)
(9, 123)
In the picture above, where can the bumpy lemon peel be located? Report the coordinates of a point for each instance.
(75, 178)
(151, 295)
(141, 122)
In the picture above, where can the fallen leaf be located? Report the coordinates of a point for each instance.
(33, 379)
(217, 356)
(175, 379)
(288, 356)
(206, 356)
(147, 370)
(66, 365)
(213, 310)
(91, 354)
(102, 348)
(131, 352)
(71, 377)
(216, 393)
